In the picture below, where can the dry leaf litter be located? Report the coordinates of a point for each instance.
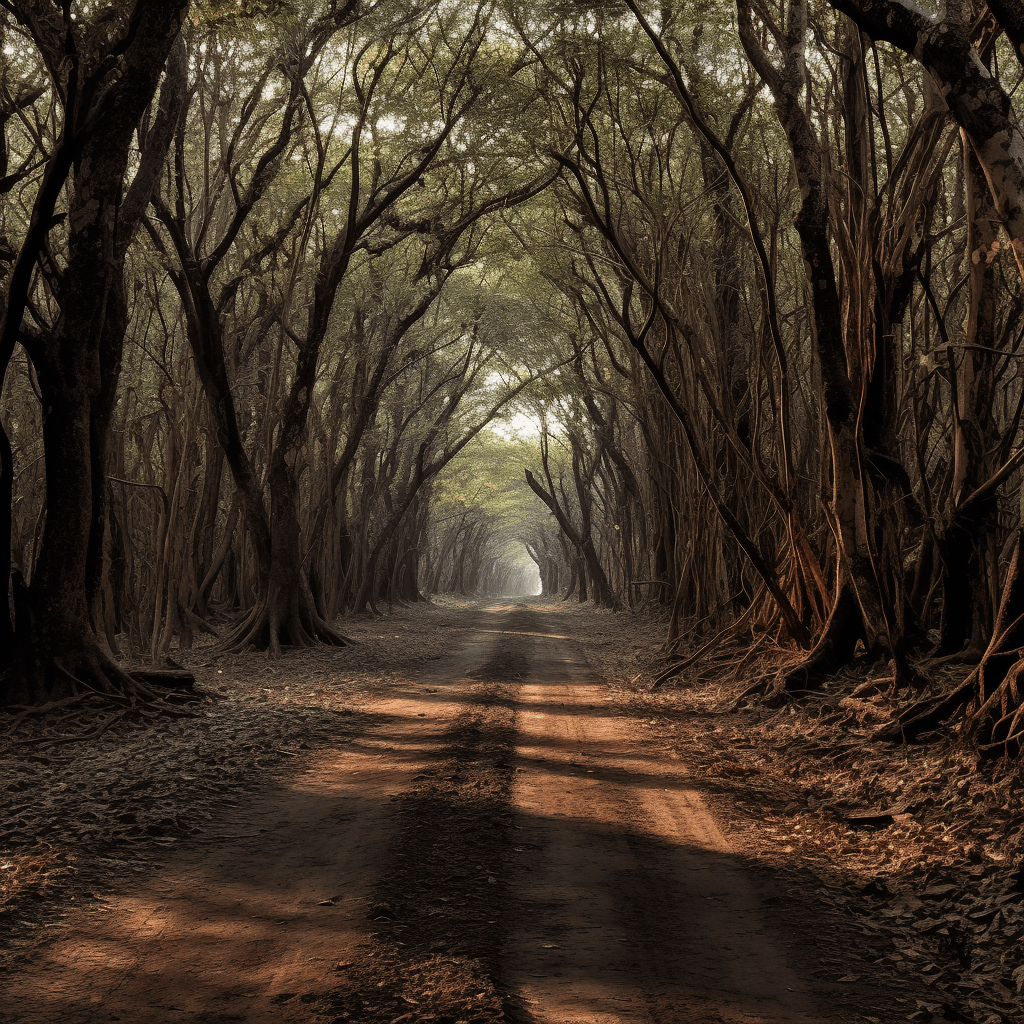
(922, 850)
(919, 845)
(75, 814)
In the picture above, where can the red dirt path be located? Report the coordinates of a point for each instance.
(606, 893)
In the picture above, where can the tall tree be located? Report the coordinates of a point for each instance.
(104, 74)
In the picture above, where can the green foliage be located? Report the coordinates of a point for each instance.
(246, 18)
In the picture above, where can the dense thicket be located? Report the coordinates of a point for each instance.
(751, 274)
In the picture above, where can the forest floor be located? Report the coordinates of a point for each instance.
(479, 813)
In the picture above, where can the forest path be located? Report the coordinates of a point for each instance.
(637, 907)
(502, 845)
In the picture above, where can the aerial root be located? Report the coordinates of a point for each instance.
(1010, 735)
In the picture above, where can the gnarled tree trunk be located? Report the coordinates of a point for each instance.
(57, 652)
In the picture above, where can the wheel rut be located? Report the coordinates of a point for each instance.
(633, 905)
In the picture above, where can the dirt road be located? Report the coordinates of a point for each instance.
(639, 909)
(502, 845)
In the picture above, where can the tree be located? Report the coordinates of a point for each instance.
(983, 110)
(103, 76)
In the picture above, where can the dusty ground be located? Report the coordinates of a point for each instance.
(470, 816)
(920, 847)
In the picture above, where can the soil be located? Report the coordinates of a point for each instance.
(466, 817)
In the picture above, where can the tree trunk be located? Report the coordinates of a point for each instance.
(976, 435)
(285, 614)
(57, 651)
(840, 362)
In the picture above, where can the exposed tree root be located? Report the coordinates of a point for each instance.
(73, 689)
(23, 711)
(80, 737)
(77, 720)
(993, 687)
(268, 627)
(37, 678)
(996, 722)
(999, 721)
(872, 688)
(834, 649)
(927, 714)
(677, 667)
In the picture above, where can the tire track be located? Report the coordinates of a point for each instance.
(439, 906)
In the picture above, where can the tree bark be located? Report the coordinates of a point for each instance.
(57, 651)
(969, 527)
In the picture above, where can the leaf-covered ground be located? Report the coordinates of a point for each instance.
(917, 843)
(919, 846)
(72, 813)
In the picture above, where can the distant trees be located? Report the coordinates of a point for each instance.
(364, 165)
(484, 532)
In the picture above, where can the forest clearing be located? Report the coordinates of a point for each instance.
(511, 511)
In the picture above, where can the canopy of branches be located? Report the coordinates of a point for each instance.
(752, 270)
